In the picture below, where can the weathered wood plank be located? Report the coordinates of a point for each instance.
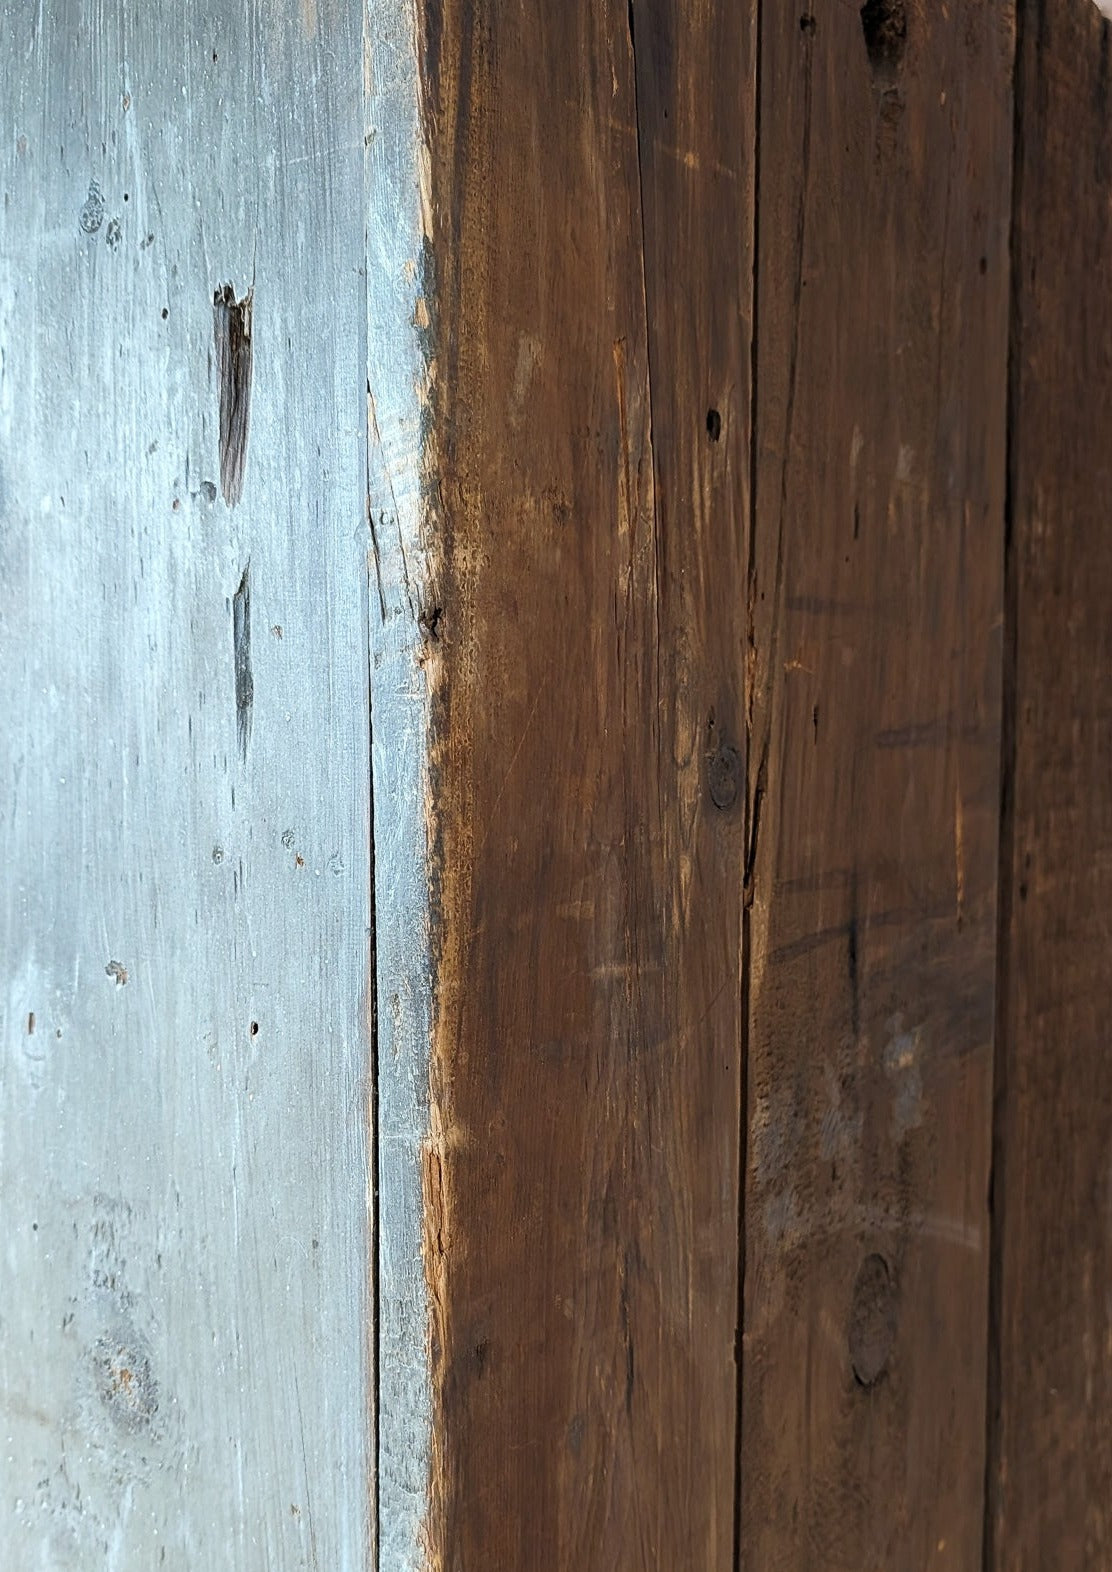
(582, 1188)
(399, 487)
(875, 604)
(184, 916)
(696, 103)
(1051, 1461)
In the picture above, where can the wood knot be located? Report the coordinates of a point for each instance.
(872, 1320)
(724, 776)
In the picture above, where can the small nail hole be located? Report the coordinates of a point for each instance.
(714, 425)
(254, 1028)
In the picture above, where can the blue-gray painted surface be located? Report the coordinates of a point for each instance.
(185, 1283)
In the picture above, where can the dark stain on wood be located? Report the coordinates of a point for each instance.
(884, 24)
(232, 325)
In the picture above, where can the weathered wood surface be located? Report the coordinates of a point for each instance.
(400, 486)
(1050, 1478)
(583, 1194)
(184, 912)
(500, 905)
(873, 773)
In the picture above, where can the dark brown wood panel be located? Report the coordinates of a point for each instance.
(1051, 1464)
(582, 1185)
(875, 595)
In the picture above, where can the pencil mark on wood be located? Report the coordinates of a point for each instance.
(792, 949)
(941, 733)
(232, 328)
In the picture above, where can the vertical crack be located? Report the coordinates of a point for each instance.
(752, 800)
(374, 1287)
(232, 333)
(241, 652)
(997, 1188)
(631, 21)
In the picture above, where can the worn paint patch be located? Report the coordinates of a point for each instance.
(125, 1381)
(903, 1065)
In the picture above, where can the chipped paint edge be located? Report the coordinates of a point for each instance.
(399, 570)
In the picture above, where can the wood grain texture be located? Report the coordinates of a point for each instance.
(873, 774)
(581, 1193)
(184, 912)
(402, 525)
(1051, 1465)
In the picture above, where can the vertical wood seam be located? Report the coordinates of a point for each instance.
(1006, 845)
(749, 828)
(645, 321)
(372, 1112)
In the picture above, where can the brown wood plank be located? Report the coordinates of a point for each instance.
(1051, 1464)
(582, 1184)
(876, 597)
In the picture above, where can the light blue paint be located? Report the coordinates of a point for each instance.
(182, 1199)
